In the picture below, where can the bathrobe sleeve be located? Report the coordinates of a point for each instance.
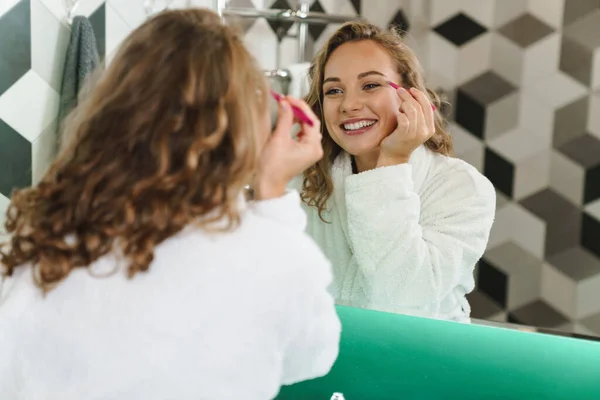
(285, 209)
(414, 250)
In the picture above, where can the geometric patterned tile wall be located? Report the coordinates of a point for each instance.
(523, 78)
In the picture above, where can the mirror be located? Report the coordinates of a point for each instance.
(522, 113)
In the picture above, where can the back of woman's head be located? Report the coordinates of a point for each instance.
(317, 187)
(167, 135)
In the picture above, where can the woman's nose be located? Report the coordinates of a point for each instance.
(351, 103)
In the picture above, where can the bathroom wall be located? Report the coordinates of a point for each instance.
(522, 75)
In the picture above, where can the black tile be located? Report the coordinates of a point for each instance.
(15, 44)
(316, 30)
(280, 28)
(482, 307)
(591, 190)
(469, 114)
(488, 88)
(15, 153)
(590, 234)
(98, 21)
(499, 171)
(492, 282)
(400, 23)
(357, 5)
(460, 29)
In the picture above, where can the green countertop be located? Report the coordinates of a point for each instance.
(389, 356)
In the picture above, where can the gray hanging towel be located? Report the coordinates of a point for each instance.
(81, 60)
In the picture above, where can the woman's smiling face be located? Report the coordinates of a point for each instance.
(359, 106)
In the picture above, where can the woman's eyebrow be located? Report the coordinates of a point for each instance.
(359, 76)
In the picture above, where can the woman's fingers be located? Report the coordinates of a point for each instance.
(427, 108)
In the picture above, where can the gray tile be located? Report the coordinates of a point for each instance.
(487, 88)
(570, 121)
(538, 314)
(482, 306)
(592, 323)
(576, 263)
(576, 60)
(15, 44)
(575, 9)
(512, 259)
(586, 30)
(563, 220)
(15, 153)
(526, 30)
(585, 150)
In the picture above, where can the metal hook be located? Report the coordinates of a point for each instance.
(71, 7)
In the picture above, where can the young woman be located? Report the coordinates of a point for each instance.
(136, 268)
(402, 221)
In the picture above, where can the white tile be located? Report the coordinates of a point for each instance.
(587, 297)
(381, 14)
(43, 152)
(518, 145)
(481, 11)
(541, 58)
(548, 11)
(593, 124)
(527, 230)
(116, 30)
(132, 12)
(345, 7)
(536, 119)
(475, 58)
(7, 5)
(502, 116)
(556, 90)
(442, 62)
(507, 10)
(59, 9)
(594, 209)
(558, 290)
(321, 40)
(29, 106)
(567, 177)
(532, 175)
(463, 141)
(474, 157)
(441, 10)
(49, 43)
(507, 59)
(262, 42)
(516, 224)
(288, 51)
(4, 202)
(203, 3)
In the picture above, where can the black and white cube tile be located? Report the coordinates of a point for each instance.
(524, 80)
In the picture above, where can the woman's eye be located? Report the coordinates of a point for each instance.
(370, 86)
(332, 91)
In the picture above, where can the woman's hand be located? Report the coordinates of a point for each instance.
(284, 157)
(415, 126)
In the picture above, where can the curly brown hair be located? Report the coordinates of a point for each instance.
(167, 135)
(317, 185)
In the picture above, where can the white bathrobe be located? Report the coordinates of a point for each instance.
(406, 238)
(216, 317)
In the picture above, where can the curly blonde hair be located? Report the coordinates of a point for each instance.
(167, 135)
(317, 185)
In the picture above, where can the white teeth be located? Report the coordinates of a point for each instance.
(358, 125)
